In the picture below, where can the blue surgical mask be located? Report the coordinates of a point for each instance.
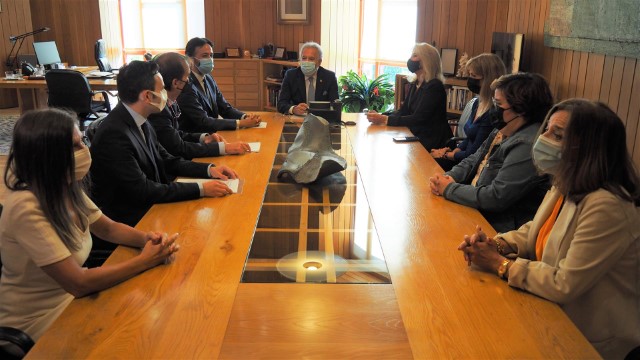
(205, 66)
(308, 67)
(546, 154)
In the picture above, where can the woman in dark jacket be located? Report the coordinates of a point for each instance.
(424, 110)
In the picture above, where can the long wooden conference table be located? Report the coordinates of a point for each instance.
(435, 306)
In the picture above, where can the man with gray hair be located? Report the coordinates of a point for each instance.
(309, 82)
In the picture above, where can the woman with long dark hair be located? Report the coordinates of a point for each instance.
(582, 249)
(46, 222)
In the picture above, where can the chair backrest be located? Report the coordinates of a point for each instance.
(101, 55)
(69, 89)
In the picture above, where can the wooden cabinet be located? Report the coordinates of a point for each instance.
(251, 84)
(272, 74)
(239, 81)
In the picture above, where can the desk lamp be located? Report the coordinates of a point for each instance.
(13, 63)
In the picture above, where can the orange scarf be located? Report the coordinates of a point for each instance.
(545, 230)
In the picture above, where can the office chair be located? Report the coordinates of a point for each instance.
(70, 89)
(101, 56)
(21, 340)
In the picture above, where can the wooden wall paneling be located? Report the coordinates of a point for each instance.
(633, 115)
(461, 31)
(424, 26)
(573, 79)
(607, 75)
(490, 25)
(480, 30)
(582, 74)
(616, 80)
(542, 54)
(625, 88)
(15, 19)
(502, 16)
(452, 37)
(595, 68)
(437, 40)
(565, 65)
(555, 75)
(470, 27)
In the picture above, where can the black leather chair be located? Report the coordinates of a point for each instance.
(23, 343)
(69, 89)
(101, 56)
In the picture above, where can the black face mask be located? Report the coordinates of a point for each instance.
(413, 65)
(473, 85)
(497, 119)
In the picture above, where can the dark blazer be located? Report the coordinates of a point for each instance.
(177, 142)
(200, 112)
(123, 175)
(294, 88)
(424, 112)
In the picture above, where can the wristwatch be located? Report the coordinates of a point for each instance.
(502, 269)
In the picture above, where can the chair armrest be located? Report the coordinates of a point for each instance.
(16, 337)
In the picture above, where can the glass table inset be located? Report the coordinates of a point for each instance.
(321, 232)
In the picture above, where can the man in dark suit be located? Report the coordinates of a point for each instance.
(309, 82)
(201, 101)
(130, 170)
(174, 69)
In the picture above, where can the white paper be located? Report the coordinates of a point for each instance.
(263, 125)
(255, 146)
(233, 184)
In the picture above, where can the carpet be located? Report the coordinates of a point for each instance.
(6, 132)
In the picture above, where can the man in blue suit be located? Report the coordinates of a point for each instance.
(201, 100)
(309, 82)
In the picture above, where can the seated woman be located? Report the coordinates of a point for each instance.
(582, 249)
(483, 69)
(499, 179)
(424, 109)
(45, 224)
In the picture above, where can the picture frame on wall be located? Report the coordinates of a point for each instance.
(293, 11)
(233, 52)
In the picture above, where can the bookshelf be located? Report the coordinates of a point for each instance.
(272, 73)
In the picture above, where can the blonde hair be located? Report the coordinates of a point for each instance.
(429, 61)
(490, 67)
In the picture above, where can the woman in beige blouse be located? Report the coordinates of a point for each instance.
(45, 224)
(582, 249)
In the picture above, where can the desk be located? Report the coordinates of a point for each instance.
(435, 307)
(32, 94)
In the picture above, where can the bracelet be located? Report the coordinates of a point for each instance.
(503, 268)
(499, 247)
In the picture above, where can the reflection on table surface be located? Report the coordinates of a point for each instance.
(321, 232)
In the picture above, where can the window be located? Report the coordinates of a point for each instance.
(387, 37)
(157, 26)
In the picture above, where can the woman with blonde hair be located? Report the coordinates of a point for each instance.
(424, 109)
(475, 119)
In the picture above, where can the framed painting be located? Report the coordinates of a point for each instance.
(293, 11)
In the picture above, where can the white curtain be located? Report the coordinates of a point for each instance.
(340, 36)
(110, 25)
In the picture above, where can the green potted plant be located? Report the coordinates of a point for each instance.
(358, 92)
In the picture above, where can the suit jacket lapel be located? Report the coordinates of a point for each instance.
(135, 131)
(201, 92)
(211, 100)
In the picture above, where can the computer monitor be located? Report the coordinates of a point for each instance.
(47, 53)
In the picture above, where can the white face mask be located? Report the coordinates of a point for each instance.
(163, 99)
(546, 154)
(83, 163)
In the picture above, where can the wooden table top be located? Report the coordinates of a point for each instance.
(96, 84)
(435, 307)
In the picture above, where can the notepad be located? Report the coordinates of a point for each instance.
(234, 184)
(263, 125)
(255, 146)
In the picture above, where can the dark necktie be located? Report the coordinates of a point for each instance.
(147, 135)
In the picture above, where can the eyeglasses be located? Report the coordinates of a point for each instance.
(184, 82)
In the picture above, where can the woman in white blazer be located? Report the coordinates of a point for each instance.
(582, 249)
